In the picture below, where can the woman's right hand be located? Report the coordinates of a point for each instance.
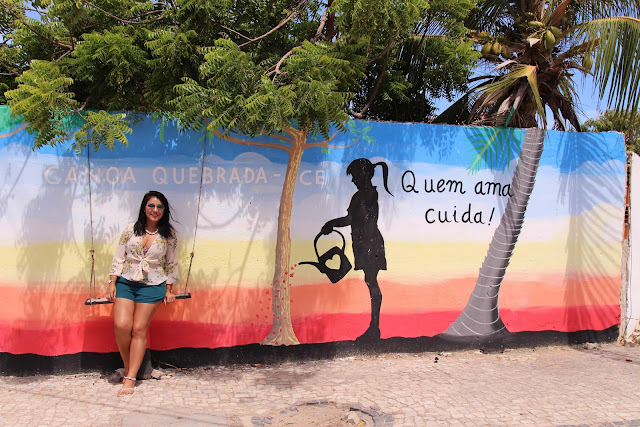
(111, 291)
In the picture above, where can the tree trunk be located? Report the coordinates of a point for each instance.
(481, 316)
(282, 330)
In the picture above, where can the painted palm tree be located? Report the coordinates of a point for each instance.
(537, 47)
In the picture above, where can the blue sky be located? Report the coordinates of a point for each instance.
(589, 98)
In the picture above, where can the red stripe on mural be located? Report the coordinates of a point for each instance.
(97, 336)
(563, 319)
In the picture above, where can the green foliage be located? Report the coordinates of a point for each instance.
(117, 60)
(43, 100)
(251, 67)
(392, 19)
(360, 130)
(626, 123)
(101, 129)
(3, 89)
(413, 69)
(171, 58)
(617, 59)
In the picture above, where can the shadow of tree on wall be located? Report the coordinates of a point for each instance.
(228, 206)
(587, 285)
(11, 178)
(594, 232)
(55, 231)
(178, 153)
(48, 252)
(54, 238)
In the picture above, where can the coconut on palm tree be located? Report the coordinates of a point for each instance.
(536, 48)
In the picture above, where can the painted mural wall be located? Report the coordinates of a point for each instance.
(400, 224)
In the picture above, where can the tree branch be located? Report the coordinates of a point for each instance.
(374, 93)
(239, 141)
(386, 50)
(84, 104)
(275, 135)
(63, 55)
(323, 21)
(33, 30)
(284, 21)
(315, 38)
(13, 132)
(235, 32)
(277, 70)
(11, 70)
(325, 143)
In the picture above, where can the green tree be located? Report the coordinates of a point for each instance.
(276, 68)
(626, 123)
(535, 48)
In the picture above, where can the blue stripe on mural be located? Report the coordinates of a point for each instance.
(397, 142)
(569, 150)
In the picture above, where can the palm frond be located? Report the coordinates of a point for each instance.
(498, 89)
(558, 12)
(617, 62)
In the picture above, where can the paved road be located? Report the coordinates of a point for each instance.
(548, 386)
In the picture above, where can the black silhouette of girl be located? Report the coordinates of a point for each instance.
(367, 241)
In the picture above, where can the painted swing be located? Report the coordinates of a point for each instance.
(93, 292)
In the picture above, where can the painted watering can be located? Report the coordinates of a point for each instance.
(334, 274)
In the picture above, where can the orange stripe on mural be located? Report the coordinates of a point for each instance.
(352, 295)
(244, 306)
(97, 335)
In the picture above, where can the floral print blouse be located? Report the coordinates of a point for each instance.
(159, 263)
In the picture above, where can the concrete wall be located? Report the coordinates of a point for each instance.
(630, 330)
(564, 274)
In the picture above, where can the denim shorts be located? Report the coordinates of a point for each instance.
(140, 292)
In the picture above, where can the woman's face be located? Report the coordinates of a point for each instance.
(154, 210)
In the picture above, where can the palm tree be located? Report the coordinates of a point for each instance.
(536, 47)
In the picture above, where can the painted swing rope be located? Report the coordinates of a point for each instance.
(93, 299)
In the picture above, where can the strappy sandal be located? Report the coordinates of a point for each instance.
(127, 391)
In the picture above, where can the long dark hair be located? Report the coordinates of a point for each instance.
(165, 228)
(365, 168)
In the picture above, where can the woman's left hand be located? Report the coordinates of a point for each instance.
(169, 297)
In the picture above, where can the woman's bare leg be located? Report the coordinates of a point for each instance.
(141, 320)
(123, 325)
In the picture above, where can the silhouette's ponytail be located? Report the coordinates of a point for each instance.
(385, 174)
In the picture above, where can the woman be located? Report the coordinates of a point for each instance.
(366, 239)
(143, 272)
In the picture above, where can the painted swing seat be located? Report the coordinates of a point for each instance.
(94, 301)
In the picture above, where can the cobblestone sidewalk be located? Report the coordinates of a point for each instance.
(548, 386)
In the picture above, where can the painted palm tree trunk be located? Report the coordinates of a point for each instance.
(481, 316)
